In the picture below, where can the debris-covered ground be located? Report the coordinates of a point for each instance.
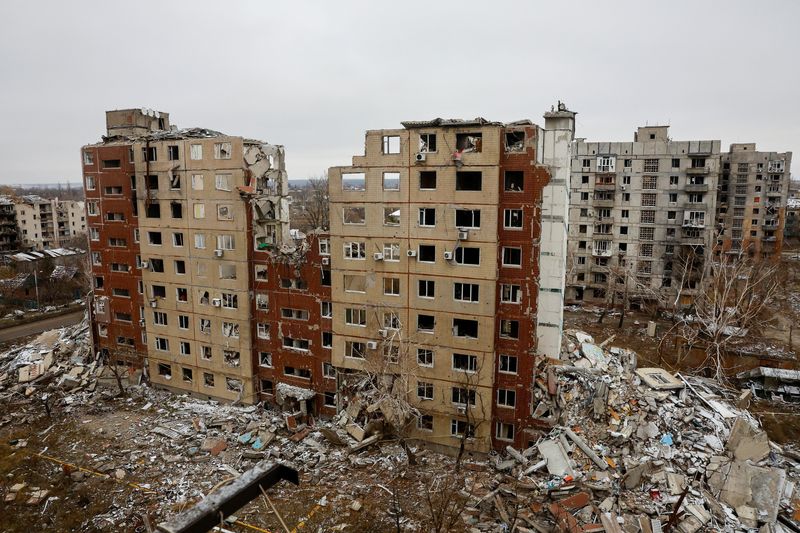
(620, 448)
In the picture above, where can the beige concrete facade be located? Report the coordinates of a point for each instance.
(47, 223)
(752, 200)
(423, 299)
(634, 207)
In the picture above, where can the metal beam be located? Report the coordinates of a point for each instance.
(230, 498)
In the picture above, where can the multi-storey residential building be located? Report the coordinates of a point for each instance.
(435, 245)
(752, 200)
(175, 220)
(637, 209)
(9, 231)
(47, 223)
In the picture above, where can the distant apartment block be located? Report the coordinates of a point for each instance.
(9, 231)
(48, 223)
(435, 250)
(646, 215)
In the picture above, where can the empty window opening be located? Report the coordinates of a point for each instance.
(468, 180)
(354, 215)
(426, 323)
(391, 181)
(515, 141)
(427, 180)
(514, 180)
(172, 153)
(427, 216)
(465, 362)
(468, 256)
(353, 181)
(111, 163)
(427, 142)
(177, 209)
(509, 329)
(153, 210)
(165, 370)
(468, 218)
(427, 253)
(391, 216)
(468, 142)
(465, 328)
(231, 357)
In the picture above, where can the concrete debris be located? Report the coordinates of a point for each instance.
(626, 447)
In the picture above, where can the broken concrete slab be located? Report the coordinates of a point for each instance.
(746, 442)
(659, 379)
(557, 460)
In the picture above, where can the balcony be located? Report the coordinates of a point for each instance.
(694, 223)
(696, 187)
(603, 202)
(598, 252)
(698, 171)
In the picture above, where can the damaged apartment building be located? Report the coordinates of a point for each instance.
(645, 215)
(189, 243)
(447, 236)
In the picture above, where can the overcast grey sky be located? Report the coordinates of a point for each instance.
(314, 75)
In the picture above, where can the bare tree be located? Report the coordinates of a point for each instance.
(734, 293)
(314, 204)
(626, 281)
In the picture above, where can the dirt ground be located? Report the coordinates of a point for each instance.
(122, 482)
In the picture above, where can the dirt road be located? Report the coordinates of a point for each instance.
(32, 328)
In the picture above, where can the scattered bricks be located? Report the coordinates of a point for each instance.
(565, 522)
(300, 435)
(578, 501)
(214, 446)
(36, 496)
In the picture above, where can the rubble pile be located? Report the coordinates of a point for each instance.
(56, 363)
(627, 449)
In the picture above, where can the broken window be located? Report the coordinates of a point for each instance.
(468, 256)
(265, 359)
(427, 180)
(391, 286)
(294, 314)
(208, 379)
(182, 294)
(295, 344)
(205, 326)
(262, 302)
(649, 182)
(223, 182)
(355, 250)
(172, 153)
(152, 182)
(427, 216)
(427, 142)
(153, 210)
(465, 292)
(149, 153)
(391, 216)
(355, 283)
(514, 180)
(512, 218)
(425, 423)
(468, 142)
(605, 163)
(324, 247)
(222, 150)
(468, 180)
(262, 330)
(157, 265)
(510, 294)
(391, 353)
(88, 157)
(154, 238)
(329, 399)
(261, 272)
(297, 372)
(227, 271)
(224, 212)
(424, 390)
(515, 141)
(648, 200)
(354, 349)
(111, 163)
(230, 301)
(391, 181)
(195, 152)
(186, 374)
(165, 370)
(233, 385)
(353, 181)
(162, 344)
(425, 357)
(391, 251)
(226, 242)
(391, 144)
(509, 329)
(354, 215)
(230, 329)
(465, 362)
(391, 320)
(647, 216)
(325, 277)
(115, 217)
(177, 209)
(427, 253)
(231, 357)
(326, 310)
(468, 218)
(425, 323)
(508, 364)
(205, 352)
(185, 348)
(102, 330)
(463, 396)
(504, 431)
(463, 327)
(426, 288)
(159, 291)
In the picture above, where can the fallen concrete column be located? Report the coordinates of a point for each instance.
(206, 514)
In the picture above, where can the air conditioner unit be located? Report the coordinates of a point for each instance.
(463, 235)
(383, 332)
(421, 157)
(377, 256)
(219, 253)
(145, 265)
(141, 321)
(448, 256)
(216, 302)
(623, 187)
(411, 253)
(326, 261)
(153, 303)
(462, 410)
(372, 345)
